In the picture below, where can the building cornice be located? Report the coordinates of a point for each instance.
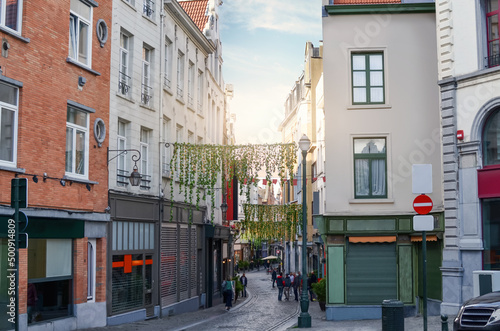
(399, 8)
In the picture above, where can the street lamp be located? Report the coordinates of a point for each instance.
(304, 317)
(135, 177)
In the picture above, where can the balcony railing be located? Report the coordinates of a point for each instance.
(166, 172)
(122, 177)
(166, 81)
(148, 8)
(180, 92)
(493, 60)
(123, 86)
(145, 182)
(200, 107)
(190, 100)
(146, 94)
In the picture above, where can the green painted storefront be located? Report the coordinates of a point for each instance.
(373, 258)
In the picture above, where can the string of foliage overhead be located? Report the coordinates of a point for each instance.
(270, 222)
(198, 167)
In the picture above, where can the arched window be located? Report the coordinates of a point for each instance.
(491, 140)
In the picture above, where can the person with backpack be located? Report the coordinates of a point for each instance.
(287, 283)
(280, 284)
(228, 288)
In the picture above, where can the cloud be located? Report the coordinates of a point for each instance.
(301, 17)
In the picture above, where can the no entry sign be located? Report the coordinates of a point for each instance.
(422, 204)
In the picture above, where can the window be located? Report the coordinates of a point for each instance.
(11, 14)
(167, 153)
(370, 168)
(167, 79)
(200, 91)
(124, 78)
(147, 90)
(491, 140)
(8, 124)
(121, 163)
(190, 137)
(180, 75)
(367, 78)
(91, 255)
(492, 35)
(145, 158)
(80, 32)
(148, 9)
(77, 141)
(191, 84)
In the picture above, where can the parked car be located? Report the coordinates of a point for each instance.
(480, 313)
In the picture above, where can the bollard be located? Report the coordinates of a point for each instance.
(444, 323)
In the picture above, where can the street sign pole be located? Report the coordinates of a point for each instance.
(424, 253)
(15, 184)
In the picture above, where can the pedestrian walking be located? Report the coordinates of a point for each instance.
(273, 276)
(280, 284)
(312, 279)
(244, 282)
(288, 283)
(295, 285)
(228, 287)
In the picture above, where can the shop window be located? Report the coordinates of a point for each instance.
(491, 140)
(491, 234)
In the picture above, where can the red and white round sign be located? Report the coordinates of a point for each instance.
(422, 204)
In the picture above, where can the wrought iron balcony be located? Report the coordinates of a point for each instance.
(122, 177)
(123, 86)
(145, 182)
(146, 94)
(148, 8)
(493, 60)
(166, 81)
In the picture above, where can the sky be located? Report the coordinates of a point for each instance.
(263, 45)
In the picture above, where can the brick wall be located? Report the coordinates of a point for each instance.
(80, 270)
(101, 260)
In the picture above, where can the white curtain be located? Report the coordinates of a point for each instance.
(378, 177)
(58, 261)
(362, 177)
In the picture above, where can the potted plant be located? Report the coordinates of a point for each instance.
(319, 289)
(238, 287)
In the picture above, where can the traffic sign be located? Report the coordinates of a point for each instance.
(423, 223)
(422, 204)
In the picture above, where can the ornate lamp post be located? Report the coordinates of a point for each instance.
(304, 317)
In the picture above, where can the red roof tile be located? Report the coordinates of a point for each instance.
(363, 2)
(196, 9)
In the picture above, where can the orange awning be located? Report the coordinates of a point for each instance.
(373, 239)
(431, 237)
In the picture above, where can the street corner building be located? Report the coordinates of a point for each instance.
(54, 104)
(381, 109)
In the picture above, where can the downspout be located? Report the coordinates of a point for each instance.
(160, 150)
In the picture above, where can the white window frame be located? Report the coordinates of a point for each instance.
(146, 89)
(124, 80)
(167, 151)
(200, 91)
(121, 144)
(167, 78)
(75, 20)
(85, 130)
(19, 18)
(144, 148)
(91, 269)
(148, 9)
(180, 75)
(191, 84)
(12, 108)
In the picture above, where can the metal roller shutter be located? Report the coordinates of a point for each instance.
(184, 263)
(168, 267)
(193, 260)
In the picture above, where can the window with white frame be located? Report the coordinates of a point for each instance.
(191, 84)
(190, 137)
(147, 90)
(179, 138)
(167, 151)
(167, 78)
(367, 78)
(200, 91)
(370, 170)
(144, 145)
(11, 14)
(8, 124)
(77, 142)
(124, 78)
(91, 268)
(148, 9)
(180, 75)
(121, 161)
(80, 32)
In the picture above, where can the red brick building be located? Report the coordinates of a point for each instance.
(54, 104)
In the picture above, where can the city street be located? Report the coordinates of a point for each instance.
(261, 310)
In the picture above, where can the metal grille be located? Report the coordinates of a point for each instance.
(127, 288)
(168, 267)
(184, 262)
(193, 261)
(475, 317)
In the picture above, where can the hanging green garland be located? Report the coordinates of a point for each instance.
(198, 168)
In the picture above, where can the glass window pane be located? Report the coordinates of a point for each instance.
(361, 177)
(83, 48)
(69, 150)
(493, 50)
(146, 236)
(491, 140)
(7, 131)
(491, 229)
(376, 78)
(377, 94)
(11, 12)
(378, 177)
(359, 78)
(141, 235)
(369, 146)
(72, 36)
(77, 117)
(59, 255)
(358, 62)
(151, 236)
(80, 153)
(8, 94)
(376, 62)
(492, 5)
(125, 236)
(115, 229)
(493, 27)
(120, 236)
(359, 94)
(81, 9)
(130, 235)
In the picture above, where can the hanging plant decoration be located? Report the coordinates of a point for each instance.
(199, 168)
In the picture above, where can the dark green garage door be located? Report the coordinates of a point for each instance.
(371, 273)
